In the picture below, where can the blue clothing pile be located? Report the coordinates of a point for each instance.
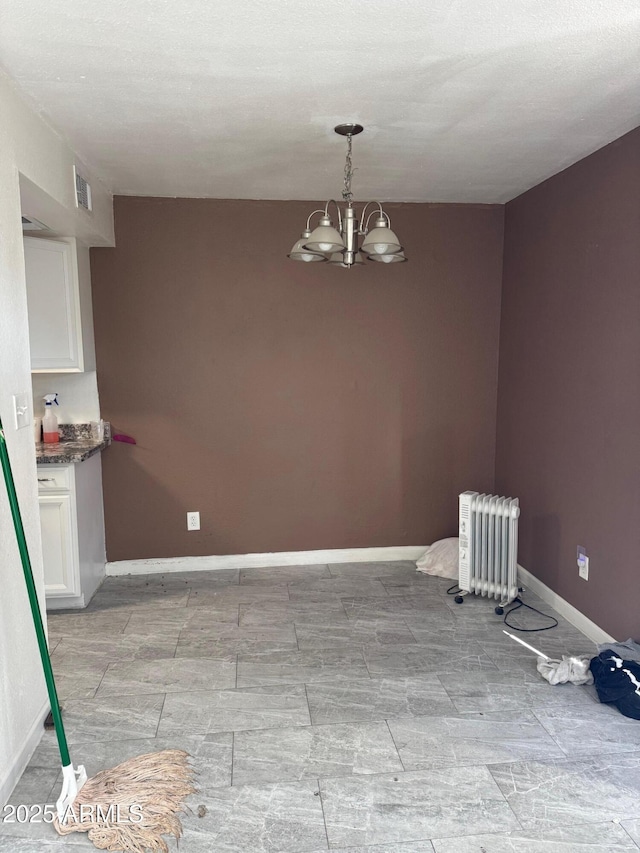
(617, 678)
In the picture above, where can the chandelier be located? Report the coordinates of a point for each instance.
(341, 245)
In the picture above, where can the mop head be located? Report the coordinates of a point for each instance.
(131, 806)
(572, 670)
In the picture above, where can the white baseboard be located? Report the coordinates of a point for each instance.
(263, 561)
(571, 614)
(16, 769)
(71, 602)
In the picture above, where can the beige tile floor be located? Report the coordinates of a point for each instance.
(353, 708)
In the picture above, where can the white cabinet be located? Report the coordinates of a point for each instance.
(58, 297)
(71, 522)
(58, 526)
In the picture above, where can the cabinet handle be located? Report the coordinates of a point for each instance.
(46, 480)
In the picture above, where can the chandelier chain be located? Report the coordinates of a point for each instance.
(347, 195)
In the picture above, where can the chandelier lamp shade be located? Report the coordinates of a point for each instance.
(340, 243)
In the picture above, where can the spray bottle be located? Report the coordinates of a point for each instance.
(50, 421)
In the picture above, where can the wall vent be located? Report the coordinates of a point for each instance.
(31, 224)
(83, 190)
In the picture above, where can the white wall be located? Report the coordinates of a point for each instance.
(78, 396)
(28, 146)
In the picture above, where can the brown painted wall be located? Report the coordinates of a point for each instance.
(568, 440)
(297, 406)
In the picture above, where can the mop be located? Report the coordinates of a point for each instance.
(131, 806)
(573, 669)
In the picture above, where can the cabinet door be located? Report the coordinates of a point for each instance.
(58, 545)
(54, 305)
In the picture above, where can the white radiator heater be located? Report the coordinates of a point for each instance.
(488, 529)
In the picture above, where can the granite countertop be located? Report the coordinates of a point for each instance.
(75, 445)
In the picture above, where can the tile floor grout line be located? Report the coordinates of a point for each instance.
(324, 816)
(540, 723)
(361, 777)
(106, 669)
(408, 627)
(233, 746)
(503, 795)
(364, 658)
(342, 604)
(306, 693)
(164, 699)
(451, 699)
(624, 829)
(395, 745)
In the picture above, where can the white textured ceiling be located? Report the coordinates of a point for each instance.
(462, 100)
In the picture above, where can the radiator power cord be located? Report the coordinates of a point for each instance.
(518, 603)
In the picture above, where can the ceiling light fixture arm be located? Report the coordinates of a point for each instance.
(313, 213)
(326, 211)
(380, 213)
(364, 214)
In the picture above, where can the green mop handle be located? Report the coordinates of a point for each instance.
(33, 600)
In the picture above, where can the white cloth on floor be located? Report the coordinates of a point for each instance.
(574, 669)
(441, 558)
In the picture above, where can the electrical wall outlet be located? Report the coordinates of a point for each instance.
(193, 521)
(583, 563)
(583, 571)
